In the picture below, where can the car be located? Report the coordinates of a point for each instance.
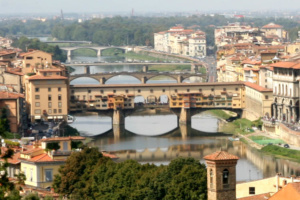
(286, 146)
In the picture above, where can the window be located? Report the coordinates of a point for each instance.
(115, 91)
(163, 90)
(72, 91)
(236, 89)
(59, 104)
(251, 190)
(188, 90)
(224, 89)
(139, 91)
(49, 104)
(212, 89)
(59, 89)
(89, 91)
(126, 91)
(175, 90)
(211, 176)
(266, 97)
(48, 175)
(151, 90)
(49, 111)
(59, 97)
(37, 104)
(27, 65)
(225, 177)
(49, 97)
(49, 89)
(54, 110)
(31, 175)
(200, 90)
(24, 170)
(37, 89)
(37, 96)
(37, 111)
(101, 91)
(59, 111)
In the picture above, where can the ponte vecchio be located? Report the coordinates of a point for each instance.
(184, 99)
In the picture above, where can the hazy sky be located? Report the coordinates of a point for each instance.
(54, 6)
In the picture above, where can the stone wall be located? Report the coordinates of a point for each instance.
(288, 135)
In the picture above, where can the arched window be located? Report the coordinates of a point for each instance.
(286, 90)
(225, 177)
(290, 92)
(279, 89)
(275, 90)
(211, 177)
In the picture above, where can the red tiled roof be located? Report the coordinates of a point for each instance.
(15, 72)
(283, 64)
(63, 138)
(32, 150)
(271, 25)
(10, 95)
(112, 156)
(40, 77)
(290, 192)
(221, 155)
(44, 157)
(257, 197)
(257, 87)
(31, 52)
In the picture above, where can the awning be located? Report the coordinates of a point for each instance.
(50, 117)
(60, 117)
(37, 117)
(91, 104)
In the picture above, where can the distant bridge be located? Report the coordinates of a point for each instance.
(69, 41)
(142, 76)
(129, 63)
(98, 49)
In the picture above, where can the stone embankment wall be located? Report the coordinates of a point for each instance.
(290, 136)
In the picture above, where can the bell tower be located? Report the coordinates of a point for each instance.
(221, 176)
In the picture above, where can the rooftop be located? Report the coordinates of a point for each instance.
(53, 77)
(63, 138)
(257, 87)
(221, 155)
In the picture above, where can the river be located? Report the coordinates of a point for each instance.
(158, 138)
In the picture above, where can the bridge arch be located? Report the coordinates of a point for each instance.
(133, 78)
(124, 50)
(197, 78)
(152, 78)
(85, 79)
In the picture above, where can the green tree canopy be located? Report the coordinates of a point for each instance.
(89, 175)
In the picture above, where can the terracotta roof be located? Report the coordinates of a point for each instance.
(40, 77)
(257, 197)
(10, 95)
(30, 151)
(221, 155)
(31, 52)
(15, 158)
(271, 26)
(250, 69)
(257, 87)
(44, 157)
(15, 72)
(63, 138)
(112, 156)
(283, 64)
(50, 70)
(252, 62)
(290, 192)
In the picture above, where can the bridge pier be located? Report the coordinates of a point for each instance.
(179, 79)
(185, 116)
(69, 54)
(118, 131)
(118, 117)
(194, 68)
(145, 68)
(144, 80)
(99, 52)
(102, 80)
(87, 69)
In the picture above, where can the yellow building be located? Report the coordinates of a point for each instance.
(40, 165)
(47, 95)
(35, 59)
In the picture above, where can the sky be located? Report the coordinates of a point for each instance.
(98, 6)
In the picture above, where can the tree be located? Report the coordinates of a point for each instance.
(89, 175)
(32, 196)
(52, 146)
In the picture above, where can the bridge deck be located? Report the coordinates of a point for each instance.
(127, 63)
(161, 85)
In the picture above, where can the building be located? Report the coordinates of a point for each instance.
(258, 101)
(47, 95)
(286, 91)
(271, 30)
(221, 176)
(14, 104)
(35, 59)
(181, 41)
(291, 191)
(41, 165)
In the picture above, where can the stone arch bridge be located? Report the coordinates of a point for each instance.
(98, 49)
(142, 76)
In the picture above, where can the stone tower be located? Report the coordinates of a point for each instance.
(221, 176)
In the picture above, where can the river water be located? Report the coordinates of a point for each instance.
(158, 138)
